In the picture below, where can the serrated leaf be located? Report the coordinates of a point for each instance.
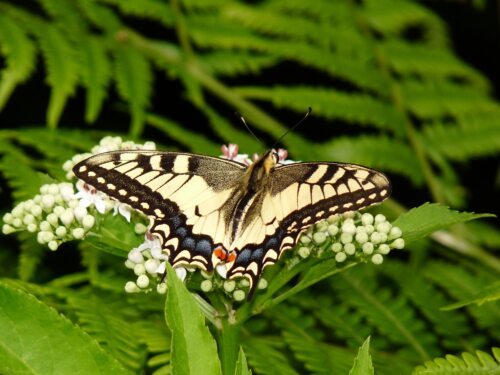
(20, 55)
(241, 365)
(134, 82)
(478, 363)
(35, 339)
(488, 294)
(193, 348)
(96, 74)
(430, 217)
(363, 362)
(62, 69)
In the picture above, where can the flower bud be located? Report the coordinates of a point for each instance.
(349, 249)
(142, 281)
(131, 287)
(139, 269)
(383, 249)
(206, 285)
(336, 247)
(88, 221)
(304, 252)
(78, 233)
(368, 248)
(238, 295)
(377, 259)
(367, 219)
(319, 237)
(262, 284)
(161, 288)
(340, 257)
(398, 244)
(229, 285)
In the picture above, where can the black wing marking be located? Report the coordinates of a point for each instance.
(186, 196)
(301, 195)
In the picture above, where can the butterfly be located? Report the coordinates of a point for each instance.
(208, 211)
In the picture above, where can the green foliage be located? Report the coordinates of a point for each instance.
(28, 325)
(421, 221)
(193, 349)
(382, 96)
(480, 363)
(363, 362)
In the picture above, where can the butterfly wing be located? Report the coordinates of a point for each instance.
(189, 198)
(299, 195)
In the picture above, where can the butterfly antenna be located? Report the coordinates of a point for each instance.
(242, 119)
(309, 110)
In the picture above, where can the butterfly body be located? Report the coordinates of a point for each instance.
(209, 211)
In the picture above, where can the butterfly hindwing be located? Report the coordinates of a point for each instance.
(299, 196)
(187, 197)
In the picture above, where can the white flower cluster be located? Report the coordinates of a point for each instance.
(58, 214)
(105, 145)
(148, 261)
(352, 235)
(55, 214)
(149, 264)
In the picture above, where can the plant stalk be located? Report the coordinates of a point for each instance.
(228, 341)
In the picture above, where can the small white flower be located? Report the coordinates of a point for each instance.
(89, 196)
(181, 272)
(123, 209)
(142, 281)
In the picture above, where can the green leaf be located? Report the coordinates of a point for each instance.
(363, 362)
(20, 55)
(488, 294)
(480, 363)
(62, 69)
(193, 348)
(430, 217)
(241, 365)
(96, 74)
(134, 82)
(35, 339)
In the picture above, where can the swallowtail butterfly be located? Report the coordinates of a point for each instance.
(208, 211)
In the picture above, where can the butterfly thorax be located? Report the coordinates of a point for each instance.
(254, 185)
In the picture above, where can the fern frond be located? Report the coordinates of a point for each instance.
(375, 151)
(266, 357)
(473, 136)
(381, 16)
(318, 357)
(65, 16)
(30, 256)
(430, 63)
(393, 316)
(431, 100)
(212, 32)
(192, 140)
(20, 55)
(62, 69)
(151, 9)
(96, 73)
(331, 104)
(17, 169)
(461, 284)
(339, 37)
(105, 321)
(100, 16)
(487, 294)
(229, 64)
(134, 78)
(451, 325)
(478, 363)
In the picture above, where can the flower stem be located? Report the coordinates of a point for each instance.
(228, 341)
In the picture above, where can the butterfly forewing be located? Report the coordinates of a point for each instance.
(188, 197)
